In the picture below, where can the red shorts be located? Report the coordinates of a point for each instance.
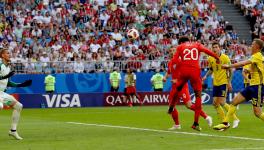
(184, 94)
(192, 74)
(130, 90)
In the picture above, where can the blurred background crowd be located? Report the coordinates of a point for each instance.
(65, 36)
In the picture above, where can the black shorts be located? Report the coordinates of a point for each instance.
(255, 93)
(246, 85)
(158, 90)
(114, 89)
(220, 91)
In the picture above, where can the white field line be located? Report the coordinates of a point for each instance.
(244, 148)
(164, 131)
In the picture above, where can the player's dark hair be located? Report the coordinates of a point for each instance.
(183, 39)
(215, 43)
(259, 42)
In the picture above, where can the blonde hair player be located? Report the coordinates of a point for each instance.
(6, 99)
(255, 90)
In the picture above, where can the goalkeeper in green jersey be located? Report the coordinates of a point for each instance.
(7, 99)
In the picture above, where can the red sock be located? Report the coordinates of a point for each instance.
(198, 107)
(203, 114)
(129, 102)
(175, 116)
(173, 98)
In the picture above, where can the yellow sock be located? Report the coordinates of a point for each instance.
(220, 112)
(230, 113)
(261, 116)
(226, 106)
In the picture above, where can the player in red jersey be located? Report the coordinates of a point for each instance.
(187, 60)
(184, 95)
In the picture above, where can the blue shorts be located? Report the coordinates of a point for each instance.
(246, 85)
(254, 93)
(220, 91)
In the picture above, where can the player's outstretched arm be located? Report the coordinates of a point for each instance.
(10, 74)
(23, 84)
(208, 52)
(237, 65)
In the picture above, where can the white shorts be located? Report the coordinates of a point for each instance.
(7, 99)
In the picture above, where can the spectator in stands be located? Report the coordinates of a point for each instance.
(78, 66)
(30, 67)
(68, 67)
(77, 26)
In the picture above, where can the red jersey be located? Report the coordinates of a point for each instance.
(189, 54)
(172, 69)
(184, 93)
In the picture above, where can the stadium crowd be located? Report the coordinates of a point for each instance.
(254, 11)
(90, 35)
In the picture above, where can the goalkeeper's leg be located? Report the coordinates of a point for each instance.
(15, 119)
(16, 115)
(17, 106)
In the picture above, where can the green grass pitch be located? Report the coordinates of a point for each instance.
(47, 129)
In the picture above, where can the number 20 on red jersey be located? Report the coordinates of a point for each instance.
(190, 54)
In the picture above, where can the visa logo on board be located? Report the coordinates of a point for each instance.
(62, 100)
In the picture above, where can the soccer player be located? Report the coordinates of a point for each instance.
(183, 95)
(254, 91)
(221, 82)
(246, 75)
(130, 88)
(187, 60)
(6, 99)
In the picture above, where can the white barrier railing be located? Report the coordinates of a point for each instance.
(92, 66)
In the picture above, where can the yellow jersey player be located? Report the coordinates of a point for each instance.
(246, 75)
(221, 82)
(254, 91)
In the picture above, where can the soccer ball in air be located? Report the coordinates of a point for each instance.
(132, 34)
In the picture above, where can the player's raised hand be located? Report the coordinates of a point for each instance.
(225, 66)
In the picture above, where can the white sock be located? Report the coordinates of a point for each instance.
(16, 115)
